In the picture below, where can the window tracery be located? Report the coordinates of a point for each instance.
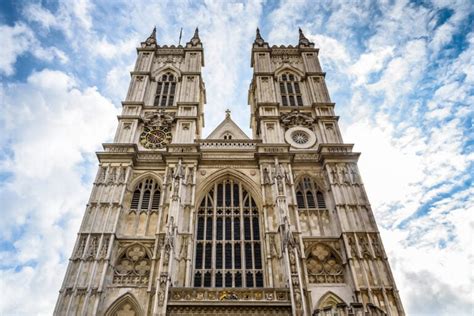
(146, 196)
(228, 249)
(133, 266)
(324, 266)
(312, 206)
(290, 90)
(165, 90)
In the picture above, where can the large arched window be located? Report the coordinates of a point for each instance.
(290, 90)
(165, 90)
(228, 249)
(146, 196)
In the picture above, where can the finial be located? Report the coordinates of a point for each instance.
(303, 40)
(258, 38)
(227, 113)
(195, 40)
(152, 38)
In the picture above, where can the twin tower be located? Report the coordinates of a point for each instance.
(275, 224)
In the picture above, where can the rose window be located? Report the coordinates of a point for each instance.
(300, 137)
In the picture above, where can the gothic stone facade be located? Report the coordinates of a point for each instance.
(276, 224)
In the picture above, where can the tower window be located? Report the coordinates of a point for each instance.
(235, 247)
(306, 192)
(146, 196)
(290, 90)
(165, 90)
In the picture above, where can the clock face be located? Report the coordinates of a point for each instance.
(155, 138)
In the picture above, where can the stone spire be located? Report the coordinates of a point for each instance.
(259, 41)
(303, 41)
(195, 40)
(151, 40)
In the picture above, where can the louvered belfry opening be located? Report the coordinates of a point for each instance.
(308, 195)
(290, 90)
(228, 251)
(165, 90)
(146, 196)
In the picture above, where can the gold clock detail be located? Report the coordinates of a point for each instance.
(155, 138)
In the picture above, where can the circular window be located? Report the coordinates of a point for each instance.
(300, 137)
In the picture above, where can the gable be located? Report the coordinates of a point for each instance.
(227, 128)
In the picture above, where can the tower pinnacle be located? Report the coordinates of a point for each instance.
(303, 41)
(259, 41)
(195, 40)
(151, 40)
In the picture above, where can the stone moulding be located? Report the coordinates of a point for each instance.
(267, 296)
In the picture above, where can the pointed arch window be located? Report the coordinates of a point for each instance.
(165, 90)
(290, 90)
(308, 195)
(228, 251)
(146, 196)
(312, 205)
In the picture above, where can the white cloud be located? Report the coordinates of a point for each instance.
(15, 41)
(20, 39)
(53, 127)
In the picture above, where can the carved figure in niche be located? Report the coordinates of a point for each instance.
(92, 249)
(266, 176)
(364, 246)
(101, 177)
(345, 175)
(376, 246)
(81, 248)
(123, 174)
(295, 118)
(105, 247)
(190, 178)
(324, 266)
(355, 174)
(340, 173)
(352, 248)
(273, 247)
(183, 249)
(334, 176)
(112, 175)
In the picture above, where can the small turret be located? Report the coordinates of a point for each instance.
(151, 40)
(303, 41)
(195, 40)
(259, 41)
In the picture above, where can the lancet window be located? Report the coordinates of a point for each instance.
(228, 250)
(290, 90)
(314, 215)
(308, 195)
(146, 196)
(165, 90)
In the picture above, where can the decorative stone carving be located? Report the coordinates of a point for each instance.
(324, 265)
(133, 266)
(296, 118)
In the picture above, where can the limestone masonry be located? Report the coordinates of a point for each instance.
(275, 224)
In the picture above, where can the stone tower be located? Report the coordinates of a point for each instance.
(276, 224)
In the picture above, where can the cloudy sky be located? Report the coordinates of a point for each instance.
(401, 74)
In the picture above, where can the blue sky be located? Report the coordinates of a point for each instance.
(400, 72)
